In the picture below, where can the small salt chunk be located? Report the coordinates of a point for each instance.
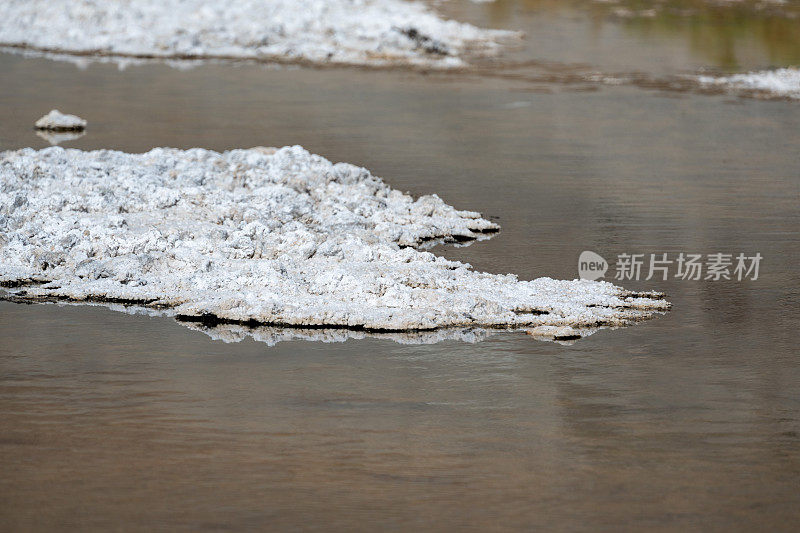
(55, 120)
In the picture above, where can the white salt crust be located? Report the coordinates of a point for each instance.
(784, 82)
(55, 120)
(265, 236)
(360, 32)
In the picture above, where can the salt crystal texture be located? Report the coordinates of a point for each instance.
(366, 32)
(266, 237)
(784, 82)
(55, 120)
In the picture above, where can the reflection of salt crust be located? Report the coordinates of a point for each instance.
(374, 32)
(262, 236)
(58, 121)
(781, 82)
(58, 137)
(272, 335)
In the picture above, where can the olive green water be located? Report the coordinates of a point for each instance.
(110, 421)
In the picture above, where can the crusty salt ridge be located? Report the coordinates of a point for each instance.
(55, 120)
(361, 32)
(784, 82)
(264, 236)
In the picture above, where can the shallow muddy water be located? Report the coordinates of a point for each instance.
(690, 420)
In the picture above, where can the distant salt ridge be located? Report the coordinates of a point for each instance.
(784, 82)
(261, 236)
(366, 32)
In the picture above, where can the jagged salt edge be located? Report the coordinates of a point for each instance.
(334, 31)
(283, 238)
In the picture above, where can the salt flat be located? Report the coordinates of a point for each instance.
(265, 236)
(364, 32)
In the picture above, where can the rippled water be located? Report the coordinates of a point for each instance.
(113, 421)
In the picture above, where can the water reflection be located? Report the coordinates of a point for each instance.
(727, 35)
(272, 335)
(57, 137)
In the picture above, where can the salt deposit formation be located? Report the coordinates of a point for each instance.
(778, 83)
(55, 120)
(265, 237)
(369, 32)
